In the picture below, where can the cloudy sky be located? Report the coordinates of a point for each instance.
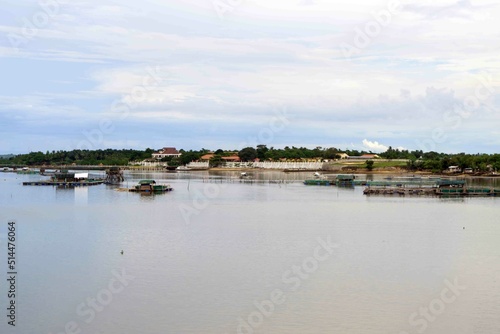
(194, 74)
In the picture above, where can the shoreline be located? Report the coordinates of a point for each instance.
(362, 171)
(357, 172)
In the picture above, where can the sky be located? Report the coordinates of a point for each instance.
(192, 74)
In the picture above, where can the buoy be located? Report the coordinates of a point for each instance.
(121, 252)
(464, 227)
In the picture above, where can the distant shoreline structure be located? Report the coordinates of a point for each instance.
(359, 171)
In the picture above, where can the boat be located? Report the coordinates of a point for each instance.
(150, 187)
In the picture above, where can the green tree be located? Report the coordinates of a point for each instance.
(261, 152)
(247, 154)
(189, 156)
(216, 161)
(369, 164)
(331, 153)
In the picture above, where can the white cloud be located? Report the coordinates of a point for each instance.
(265, 53)
(374, 146)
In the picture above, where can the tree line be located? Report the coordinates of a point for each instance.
(417, 159)
(79, 157)
(436, 162)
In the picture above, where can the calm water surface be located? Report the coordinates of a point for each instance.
(207, 256)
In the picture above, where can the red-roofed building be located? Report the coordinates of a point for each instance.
(232, 158)
(166, 152)
(207, 157)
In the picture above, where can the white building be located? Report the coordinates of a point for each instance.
(166, 152)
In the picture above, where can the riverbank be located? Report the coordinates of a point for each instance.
(356, 170)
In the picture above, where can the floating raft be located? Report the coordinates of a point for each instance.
(32, 172)
(432, 191)
(345, 180)
(64, 183)
(399, 191)
(317, 182)
(150, 187)
(156, 189)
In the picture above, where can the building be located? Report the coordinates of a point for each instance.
(454, 169)
(166, 152)
(148, 163)
(207, 157)
(232, 158)
(343, 155)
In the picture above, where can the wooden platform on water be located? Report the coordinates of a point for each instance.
(317, 182)
(432, 191)
(399, 191)
(155, 191)
(64, 183)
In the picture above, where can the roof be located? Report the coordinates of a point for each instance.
(345, 177)
(232, 157)
(207, 156)
(147, 181)
(168, 150)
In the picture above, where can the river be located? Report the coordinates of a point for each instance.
(227, 257)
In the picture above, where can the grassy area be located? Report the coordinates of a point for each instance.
(384, 164)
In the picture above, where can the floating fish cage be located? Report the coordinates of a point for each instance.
(150, 187)
(317, 182)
